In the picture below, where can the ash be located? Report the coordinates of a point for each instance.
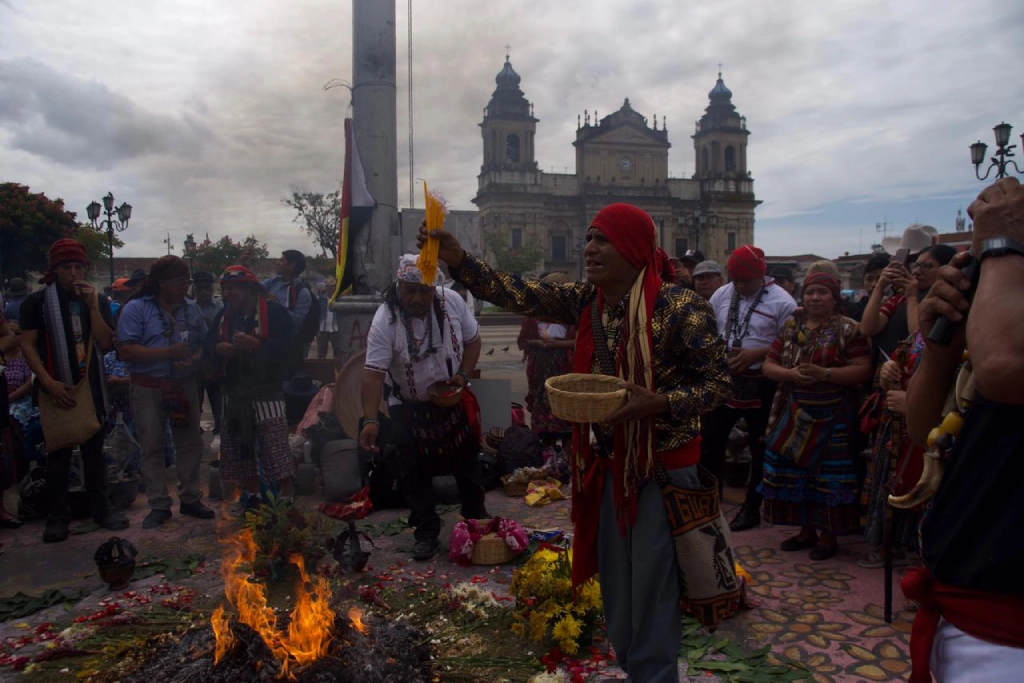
(389, 653)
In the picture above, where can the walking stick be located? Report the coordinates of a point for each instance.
(887, 556)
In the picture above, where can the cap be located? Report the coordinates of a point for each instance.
(693, 256)
(782, 272)
(708, 268)
(137, 276)
(203, 277)
(120, 285)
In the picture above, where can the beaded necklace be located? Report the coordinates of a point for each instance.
(734, 310)
(416, 345)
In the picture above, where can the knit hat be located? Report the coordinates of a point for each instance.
(746, 263)
(238, 274)
(66, 250)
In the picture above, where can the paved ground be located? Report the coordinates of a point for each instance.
(826, 615)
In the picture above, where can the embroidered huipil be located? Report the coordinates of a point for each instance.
(689, 358)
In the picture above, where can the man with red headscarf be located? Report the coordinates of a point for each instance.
(751, 311)
(64, 328)
(662, 341)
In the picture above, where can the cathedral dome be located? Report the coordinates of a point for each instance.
(507, 76)
(720, 92)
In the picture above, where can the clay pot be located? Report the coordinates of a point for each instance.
(118, 576)
(115, 560)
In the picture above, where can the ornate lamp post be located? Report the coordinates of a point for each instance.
(190, 252)
(124, 213)
(1002, 159)
(700, 221)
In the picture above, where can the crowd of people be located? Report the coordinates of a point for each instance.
(80, 364)
(844, 405)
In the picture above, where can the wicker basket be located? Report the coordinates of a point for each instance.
(444, 395)
(585, 398)
(517, 490)
(491, 550)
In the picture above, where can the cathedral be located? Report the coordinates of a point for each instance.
(619, 158)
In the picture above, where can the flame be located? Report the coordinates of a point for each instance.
(355, 615)
(309, 630)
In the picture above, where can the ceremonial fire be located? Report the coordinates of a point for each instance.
(309, 631)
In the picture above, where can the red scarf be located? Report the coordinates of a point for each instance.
(631, 232)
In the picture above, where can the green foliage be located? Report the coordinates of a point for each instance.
(521, 260)
(320, 216)
(29, 224)
(279, 531)
(96, 245)
(216, 256)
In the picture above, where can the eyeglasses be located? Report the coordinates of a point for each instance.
(923, 265)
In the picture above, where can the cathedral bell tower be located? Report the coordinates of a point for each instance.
(508, 127)
(726, 187)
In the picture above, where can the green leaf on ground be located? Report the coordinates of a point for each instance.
(21, 605)
(173, 569)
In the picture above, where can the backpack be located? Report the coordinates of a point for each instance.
(519, 448)
(311, 323)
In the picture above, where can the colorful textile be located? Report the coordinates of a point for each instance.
(443, 436)
(827, 281)
(688, 364)
(542, 492)
(822, 495)
(541, 364)
(261, 448)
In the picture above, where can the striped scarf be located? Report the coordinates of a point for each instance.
(58, 357)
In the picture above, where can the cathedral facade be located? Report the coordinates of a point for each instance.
(619, 158)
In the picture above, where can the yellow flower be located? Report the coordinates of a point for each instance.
(568, 628)
(538, 625)
(519, 628)
(743, 573)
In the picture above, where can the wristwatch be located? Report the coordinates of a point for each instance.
(463, 374)
(1000, 246)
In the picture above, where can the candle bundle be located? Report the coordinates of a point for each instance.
(435, 209)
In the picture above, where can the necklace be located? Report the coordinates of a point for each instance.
(416, 351)
(731, 323)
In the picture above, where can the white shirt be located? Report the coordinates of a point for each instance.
(386, 347)
(766, 322)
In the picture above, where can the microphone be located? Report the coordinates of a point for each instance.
(942, 331)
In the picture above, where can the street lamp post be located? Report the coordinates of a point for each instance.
(1002, 159)
(699, 222)
(124, 213)
(190, 251)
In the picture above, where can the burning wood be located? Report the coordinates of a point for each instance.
(355, 615)
(309, 627)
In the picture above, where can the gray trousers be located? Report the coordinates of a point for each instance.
(151, 421)
(640, 583)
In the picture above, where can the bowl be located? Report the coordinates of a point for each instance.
(444, 395)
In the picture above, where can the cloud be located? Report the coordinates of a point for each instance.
(204, 115)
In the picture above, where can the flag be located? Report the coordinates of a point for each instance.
(356, 208)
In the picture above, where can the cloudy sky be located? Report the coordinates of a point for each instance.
(203, 115)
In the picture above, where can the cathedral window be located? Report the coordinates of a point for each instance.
(512, 149)
(731, 237)
(730, 159)
(559, 248)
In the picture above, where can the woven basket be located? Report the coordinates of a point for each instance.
(517, 490)
(436, 393)
(491, 550)
(585, 398)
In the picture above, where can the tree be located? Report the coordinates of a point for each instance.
(320, 216)
(216, 256)
(507, 258)
(29, 224)
(97, 247)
